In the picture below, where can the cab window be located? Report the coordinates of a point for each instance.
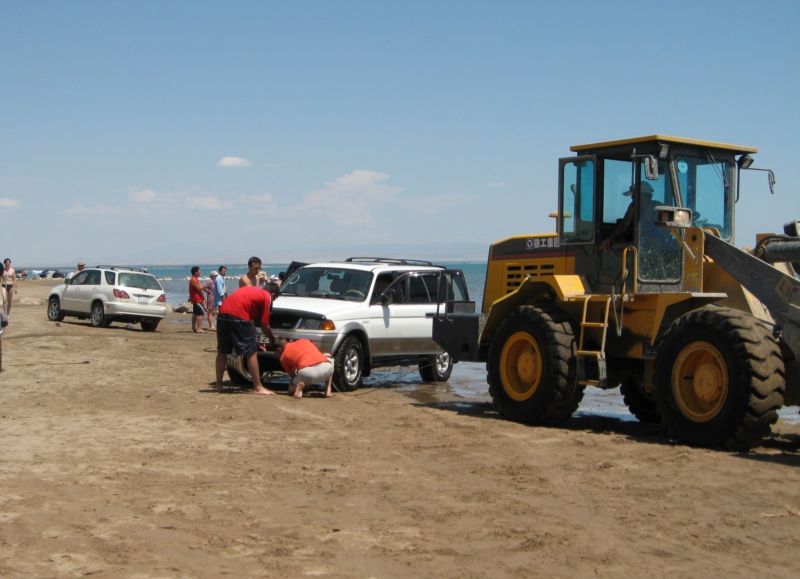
(576, 211)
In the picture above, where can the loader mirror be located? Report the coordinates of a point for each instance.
(650, 168)
(679, 217)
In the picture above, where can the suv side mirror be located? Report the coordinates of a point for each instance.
(386, 299)
(67, 280)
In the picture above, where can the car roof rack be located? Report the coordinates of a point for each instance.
(122, 268)
(390, 260)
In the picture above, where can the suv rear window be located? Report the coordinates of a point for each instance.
(109, 277)
(138, 280)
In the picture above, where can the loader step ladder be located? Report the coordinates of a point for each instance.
(590, 325)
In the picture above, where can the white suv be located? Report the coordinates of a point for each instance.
(366, 313)
(106, 294)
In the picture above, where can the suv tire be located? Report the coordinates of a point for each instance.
(437, 369)
(348, 365)
(54, 311)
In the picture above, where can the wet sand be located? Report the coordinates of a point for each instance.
(120, 460)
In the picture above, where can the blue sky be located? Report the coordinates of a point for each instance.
(165, 132)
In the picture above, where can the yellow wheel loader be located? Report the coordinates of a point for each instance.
(642, 288)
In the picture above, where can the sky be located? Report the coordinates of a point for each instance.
(189, 131)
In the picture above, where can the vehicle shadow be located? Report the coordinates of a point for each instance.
(119, 326)
(778, 448)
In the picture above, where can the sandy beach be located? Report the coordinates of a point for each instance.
(119, 460)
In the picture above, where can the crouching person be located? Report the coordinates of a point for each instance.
(306, 365)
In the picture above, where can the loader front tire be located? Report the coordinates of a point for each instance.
(531, 367)
(720, 379)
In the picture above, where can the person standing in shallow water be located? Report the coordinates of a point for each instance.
(9, 281)
(197, 297)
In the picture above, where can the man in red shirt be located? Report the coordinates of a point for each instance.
(197, 297)
(305, 364)
(236, 331)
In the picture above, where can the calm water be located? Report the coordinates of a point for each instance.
(468, 382)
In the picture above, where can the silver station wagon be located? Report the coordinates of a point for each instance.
(106, 294)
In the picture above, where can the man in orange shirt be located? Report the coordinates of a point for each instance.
(303, 361)
(236, 332)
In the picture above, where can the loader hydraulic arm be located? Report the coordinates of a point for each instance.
(779, 292)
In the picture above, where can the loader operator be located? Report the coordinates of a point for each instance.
(624, 228)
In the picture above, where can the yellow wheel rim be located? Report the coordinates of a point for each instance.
(521, 366)
(700, 381)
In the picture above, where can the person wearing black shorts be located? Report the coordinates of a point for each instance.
(236, 331)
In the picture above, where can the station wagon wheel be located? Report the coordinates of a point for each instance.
(437, 369)
(98, 317)
(150, 325)
(54, 311)
(348, 365)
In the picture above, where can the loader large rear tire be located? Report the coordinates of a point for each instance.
(720, 379)
(531, 367)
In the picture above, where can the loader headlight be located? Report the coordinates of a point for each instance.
(680, 217)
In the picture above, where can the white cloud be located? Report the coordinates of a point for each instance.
(351, 199)
(211, 202)
(233, 162)
(143, 195)
(8, 202)
(496, 185)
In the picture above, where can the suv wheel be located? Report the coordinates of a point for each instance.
(98, 318)
(54, 311)
(348, 365)
(437, 369)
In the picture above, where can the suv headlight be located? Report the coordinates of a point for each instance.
(315, 324)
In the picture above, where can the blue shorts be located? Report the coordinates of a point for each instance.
(236, 336)
(198, 310)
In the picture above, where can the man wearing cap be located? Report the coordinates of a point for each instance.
(72, 274)
(236, 332)
(624, 229)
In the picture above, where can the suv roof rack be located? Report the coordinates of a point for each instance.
(391, 260)
(122, 268)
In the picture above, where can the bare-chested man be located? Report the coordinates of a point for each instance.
(253, 269)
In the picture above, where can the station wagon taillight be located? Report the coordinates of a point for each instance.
(162, 298)
(122, 294)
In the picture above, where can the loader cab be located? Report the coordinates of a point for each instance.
(609, 193)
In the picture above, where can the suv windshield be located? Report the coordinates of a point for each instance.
(138, 280)
(328, 282)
